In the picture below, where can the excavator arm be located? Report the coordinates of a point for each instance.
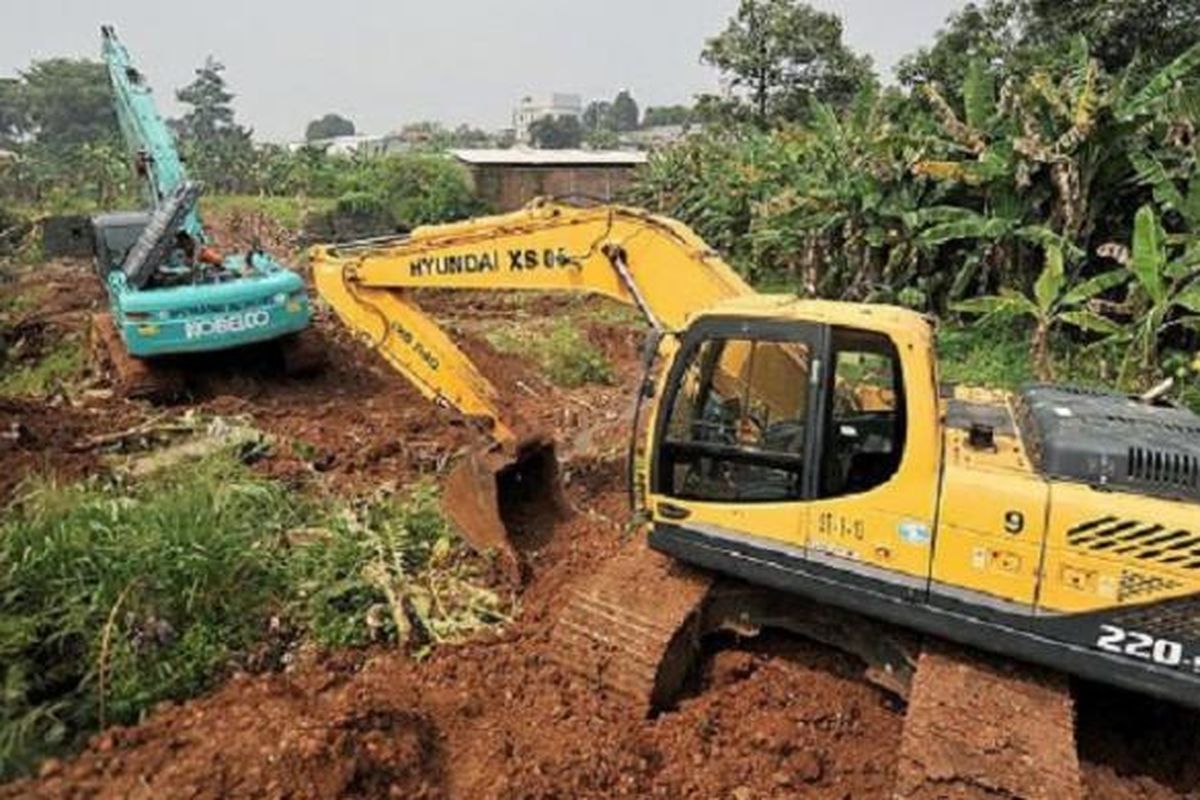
(146, 135)
(654, 264)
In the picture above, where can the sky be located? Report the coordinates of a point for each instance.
(383, 64)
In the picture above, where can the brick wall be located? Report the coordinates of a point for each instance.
(509, 187)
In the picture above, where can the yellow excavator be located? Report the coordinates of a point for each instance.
(806, 452)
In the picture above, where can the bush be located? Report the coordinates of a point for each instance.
(416, 189)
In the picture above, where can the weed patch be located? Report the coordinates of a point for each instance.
(116, 596)
(47, 373)
(562, 351)
(389, 571)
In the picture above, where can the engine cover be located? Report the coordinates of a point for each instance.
(1106, 439)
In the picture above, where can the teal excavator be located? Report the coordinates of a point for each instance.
(170, 292)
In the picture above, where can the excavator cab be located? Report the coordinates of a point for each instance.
(792, 433)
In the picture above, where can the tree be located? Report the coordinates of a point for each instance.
(1024, 36)
(211, 113)
(977, 32)
(667, 115)
(13, 121)
(556, 133)
(63, 101)
(219, 150)
(598, 116)
(1121, 32)
(625, 113)
(328, 127)
(778, 56)
(466, 136)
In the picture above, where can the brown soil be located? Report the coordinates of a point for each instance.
(772, 717)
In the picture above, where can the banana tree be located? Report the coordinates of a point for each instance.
(1054, 302)
(1163, 296)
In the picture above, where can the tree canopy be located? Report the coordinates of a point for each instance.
(328, 127)
(219, 150)
(667, 115)
(60, 101)
(557, 133)
(625, 113)
(1026, 35)
(779, 55)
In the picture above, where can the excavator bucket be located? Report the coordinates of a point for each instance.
(492, 493)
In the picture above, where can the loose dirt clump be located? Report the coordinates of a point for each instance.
(356, 424)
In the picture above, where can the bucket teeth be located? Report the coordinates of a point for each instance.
(634, 628)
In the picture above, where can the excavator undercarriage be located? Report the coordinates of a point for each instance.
(975, 727)
(165, 379)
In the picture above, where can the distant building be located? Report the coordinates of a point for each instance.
(531, 109)
(654, 138)
(358, 144)
(508, 179)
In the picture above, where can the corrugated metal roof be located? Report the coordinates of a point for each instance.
(524, 156)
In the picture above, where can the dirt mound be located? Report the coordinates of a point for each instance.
(311, 735)
(357, 422)
(978, 728)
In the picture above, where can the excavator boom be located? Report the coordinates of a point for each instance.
(654, 264)
(657, 265)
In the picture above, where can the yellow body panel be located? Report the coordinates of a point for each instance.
(993, 515)
(1152, 554)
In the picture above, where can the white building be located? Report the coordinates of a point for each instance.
(357, 144)
(531, 109)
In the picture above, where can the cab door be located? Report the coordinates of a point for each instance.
(735, 434)
(873, 509)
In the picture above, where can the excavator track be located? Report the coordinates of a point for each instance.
(634, 628)
(131, 377)
(303, 354)
(981, 729)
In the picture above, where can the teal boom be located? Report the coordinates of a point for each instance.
(169, 292)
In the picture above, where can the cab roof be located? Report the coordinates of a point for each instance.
(871, 316)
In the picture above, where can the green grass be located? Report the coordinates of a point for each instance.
(561, 350)
(156, 590)
(53, 370)
(610, 312)
(288, 212)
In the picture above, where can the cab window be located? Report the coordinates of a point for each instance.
(736, 429)
(865, 420)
